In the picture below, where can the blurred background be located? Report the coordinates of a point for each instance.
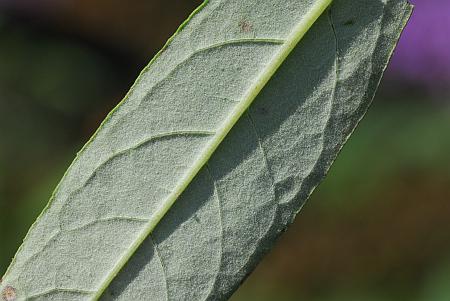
(378, 228)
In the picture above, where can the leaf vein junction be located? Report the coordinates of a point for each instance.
(219, 208)
(163, 267)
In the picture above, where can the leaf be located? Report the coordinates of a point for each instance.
(225, 134)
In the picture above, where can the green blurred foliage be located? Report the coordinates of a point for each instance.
(377, 228)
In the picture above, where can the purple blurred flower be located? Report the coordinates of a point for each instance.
(423, 53)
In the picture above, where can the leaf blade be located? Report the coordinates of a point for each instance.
(312, 15)
(249, 126)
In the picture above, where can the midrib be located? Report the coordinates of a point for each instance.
(291, 41)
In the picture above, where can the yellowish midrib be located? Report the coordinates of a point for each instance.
(291, 41)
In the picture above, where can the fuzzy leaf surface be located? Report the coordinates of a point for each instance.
(190, 180)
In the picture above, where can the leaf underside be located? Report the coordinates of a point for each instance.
(189, 181)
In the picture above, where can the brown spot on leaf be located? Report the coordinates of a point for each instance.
(245, 26)
(9, 294)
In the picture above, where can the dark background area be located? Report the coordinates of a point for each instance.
(378, 228)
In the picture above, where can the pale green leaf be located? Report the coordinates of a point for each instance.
(225, 134)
